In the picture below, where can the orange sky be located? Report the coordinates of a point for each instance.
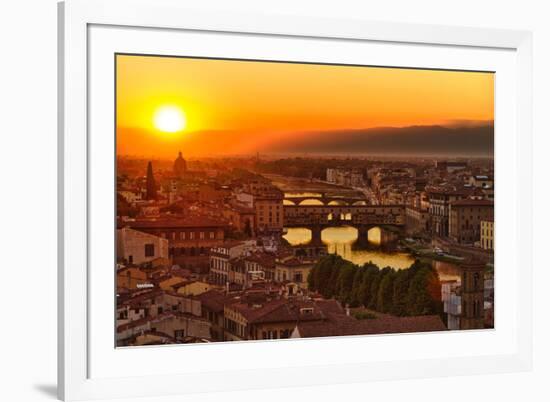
(235, 107)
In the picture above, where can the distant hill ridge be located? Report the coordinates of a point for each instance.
(436, 139)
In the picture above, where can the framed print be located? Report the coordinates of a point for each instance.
(252, 201)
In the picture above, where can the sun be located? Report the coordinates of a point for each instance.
(169, 119)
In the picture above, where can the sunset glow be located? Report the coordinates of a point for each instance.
(241, 107)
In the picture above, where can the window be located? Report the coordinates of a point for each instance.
(201, 235)
(149, 250)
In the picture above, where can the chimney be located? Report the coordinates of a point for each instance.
(347, 310)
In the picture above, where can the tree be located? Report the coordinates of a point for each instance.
(384, 299)
(400, 289)
(423, 297)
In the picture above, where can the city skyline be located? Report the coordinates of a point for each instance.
(262, 200)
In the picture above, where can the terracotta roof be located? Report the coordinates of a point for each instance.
(213, 300)
(162, 223)
(338, 324)
(279, 310)
(472, 202)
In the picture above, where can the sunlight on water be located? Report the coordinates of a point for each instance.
(375, 236)
(298, 236)
(340, 240)
(311, 202)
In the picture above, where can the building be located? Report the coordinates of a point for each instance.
(182, 327)
(440, 200)
(241, 218)
(339, 323)
(252, 267)
(137, 247)
(481, 181)
(487, 234)
(465, 217)
(180, 166)
(268, 207)
(257, 317)
(221, 258)
(450, 166)
(345, 177)
(212, 306)
(293, 269)
(132, 278)
(417, 220)
(189, 238)
(473, 286)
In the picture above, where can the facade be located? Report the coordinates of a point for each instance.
(481, 181)
(267, 318)
(345, 177)
(131, 278)
(487, 233)
(137, 247)
(189, 238)
(293, 269)
(417, 220)
(221, 258)
(440, 200)
(465, 219)
(269, 211)
(241, 218)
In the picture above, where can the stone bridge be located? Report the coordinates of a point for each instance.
(328, 199)
(390, 218)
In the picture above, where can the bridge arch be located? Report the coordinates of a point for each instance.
(311, 201)
(337, 202)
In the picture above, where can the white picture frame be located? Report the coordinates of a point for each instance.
(79, 332)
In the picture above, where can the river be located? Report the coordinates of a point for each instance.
(342, 241)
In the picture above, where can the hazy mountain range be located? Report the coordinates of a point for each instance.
(468, 138)
(420, 140)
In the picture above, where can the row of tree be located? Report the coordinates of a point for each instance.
(406, 292)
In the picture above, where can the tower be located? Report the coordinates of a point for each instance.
(472, 315)
(180, 166)
(151, 186)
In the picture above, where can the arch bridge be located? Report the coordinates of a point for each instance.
(326, 198)
(390, 218)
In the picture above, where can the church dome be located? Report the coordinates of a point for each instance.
(180, 166)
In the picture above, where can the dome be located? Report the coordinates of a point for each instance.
(180, 166)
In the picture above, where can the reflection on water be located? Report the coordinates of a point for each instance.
(311, 202)
(447, 271)
(340, 240)
(298, 236)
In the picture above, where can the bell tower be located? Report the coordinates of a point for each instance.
(472, 315)
(151, 185)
